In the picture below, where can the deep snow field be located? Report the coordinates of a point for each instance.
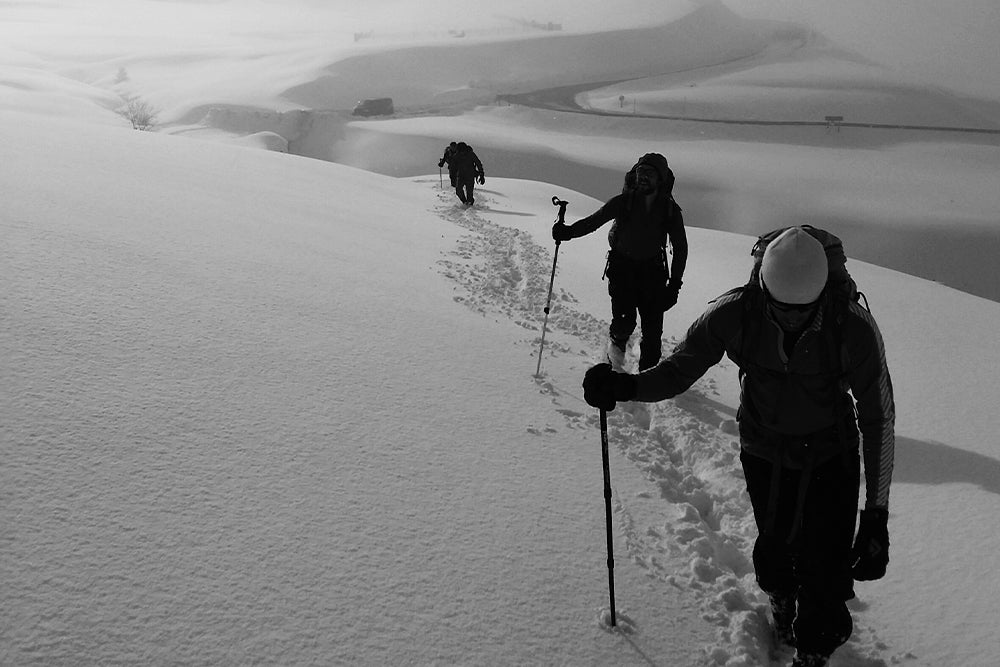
(263, 408)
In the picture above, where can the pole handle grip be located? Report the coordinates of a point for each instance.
(562, 204)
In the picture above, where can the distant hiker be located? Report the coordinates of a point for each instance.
(446, 159)
(468, 170)
(640, 281)
(801, 340)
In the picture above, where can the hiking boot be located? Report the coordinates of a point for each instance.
(616, 357)
(810, 660)
(783, 614)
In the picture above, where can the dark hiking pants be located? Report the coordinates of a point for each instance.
(464, 187)
(636, 289)
(814, 566)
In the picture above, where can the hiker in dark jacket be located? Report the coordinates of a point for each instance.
(446, 159)
(640, 282)
(468, 170)
(799, 351)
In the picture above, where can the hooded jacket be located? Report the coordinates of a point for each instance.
(800, 397)
(448, 157)
(466, 163)
(640, 234)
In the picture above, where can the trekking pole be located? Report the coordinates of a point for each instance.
(440, 178)
(555, 258)
(607, 513)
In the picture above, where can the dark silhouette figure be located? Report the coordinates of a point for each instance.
(468, 170)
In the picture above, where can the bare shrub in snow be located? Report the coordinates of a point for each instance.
(139, 112)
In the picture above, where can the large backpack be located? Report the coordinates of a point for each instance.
(463, 160)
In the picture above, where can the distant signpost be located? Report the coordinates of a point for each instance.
(833, 122)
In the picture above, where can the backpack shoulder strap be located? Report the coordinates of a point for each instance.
(674, 217)
(752, 300)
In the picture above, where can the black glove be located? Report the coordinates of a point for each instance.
(561, 232)
(871, 547)
(603, 387)
(670, 292)
(482, 179)
(440, 163)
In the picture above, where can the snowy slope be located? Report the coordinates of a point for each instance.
(248, 421)
(257, 414)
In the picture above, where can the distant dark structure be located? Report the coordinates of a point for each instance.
(536, 25)
(380, 106)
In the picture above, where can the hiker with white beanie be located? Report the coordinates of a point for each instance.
(802, 341)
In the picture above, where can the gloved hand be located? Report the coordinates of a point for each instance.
(561, 232)
(871, 547)
(670, 292)
(482, 179)
(440, 163)
(603, 387)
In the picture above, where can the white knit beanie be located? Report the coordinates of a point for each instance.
(794, 268)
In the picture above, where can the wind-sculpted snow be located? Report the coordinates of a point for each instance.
(694, 528)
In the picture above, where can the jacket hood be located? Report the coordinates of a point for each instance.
(659, 163)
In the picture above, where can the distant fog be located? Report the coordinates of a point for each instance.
(951, 44)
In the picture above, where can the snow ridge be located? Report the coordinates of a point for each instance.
(697, 532)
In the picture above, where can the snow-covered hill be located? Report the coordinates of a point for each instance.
(261, 408)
